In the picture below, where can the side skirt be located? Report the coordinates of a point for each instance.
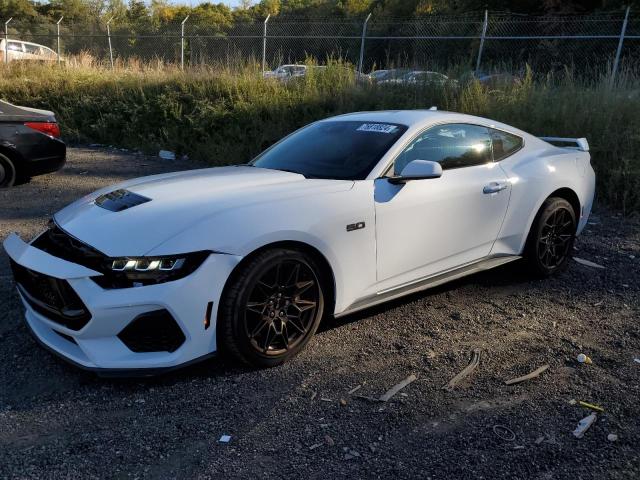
(427, 282)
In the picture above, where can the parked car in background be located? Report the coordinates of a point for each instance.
(420, 77)
(379, 76)
(491, 80)
(341, 215)
(286, 72)
(26, 51)
(30, 143)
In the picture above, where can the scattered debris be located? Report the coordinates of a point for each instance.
(314, 446)
(519, 447)
(572, 402)
(167, 155)
(637, 360)
(587, 263)
(475, 361)
(313, 395)
(584, 424)
(612, 437)
(591, 406)
(396, 388)
(504, 433)
(539, 440)
(329, 440)
(582, 358)
(225, 439)
(597, 304)
(354, 390)
(343, 402)
(326, 400)
(528, 376)
(351, 454)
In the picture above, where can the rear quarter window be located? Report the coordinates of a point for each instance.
(504, 144)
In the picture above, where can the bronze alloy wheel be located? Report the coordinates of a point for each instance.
(272, 308)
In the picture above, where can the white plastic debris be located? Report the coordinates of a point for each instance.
(582, 358)
(167, 155)
(612, 437)
(587, 263)
(584, 424)
(225, 439)
(637, 360)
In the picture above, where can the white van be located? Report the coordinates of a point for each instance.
(19, 50)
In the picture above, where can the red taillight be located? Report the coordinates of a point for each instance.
(49, 128)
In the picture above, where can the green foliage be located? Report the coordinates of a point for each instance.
(221, 117)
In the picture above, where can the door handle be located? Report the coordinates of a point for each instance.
(494, 187)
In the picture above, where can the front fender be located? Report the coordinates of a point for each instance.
(318, 221)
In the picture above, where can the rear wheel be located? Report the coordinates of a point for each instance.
(7, 172)
(551, 238)
(272, 308)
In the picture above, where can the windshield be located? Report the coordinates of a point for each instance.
(341, 150)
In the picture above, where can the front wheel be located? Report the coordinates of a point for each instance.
(550, 242)
(271, 309)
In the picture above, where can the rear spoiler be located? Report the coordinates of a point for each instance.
(575, 143)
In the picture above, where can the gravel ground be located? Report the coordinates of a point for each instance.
(299, 420)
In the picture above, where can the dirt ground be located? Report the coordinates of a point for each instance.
(300, 421)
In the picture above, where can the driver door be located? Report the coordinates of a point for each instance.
(426, 227)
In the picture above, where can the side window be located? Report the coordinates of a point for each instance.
(504, 144)
(15, 46)
(33, 49)
(451, 145)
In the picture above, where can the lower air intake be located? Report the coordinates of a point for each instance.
(155, 331)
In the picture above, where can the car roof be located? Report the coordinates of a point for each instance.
(417, 119)
(15, 40)
(403, 117)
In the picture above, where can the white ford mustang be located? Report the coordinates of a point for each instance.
(343, 214)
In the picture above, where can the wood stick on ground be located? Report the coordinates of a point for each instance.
(396, 388)
(475, 361)
(528, 376)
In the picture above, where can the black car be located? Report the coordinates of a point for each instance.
(30, 143)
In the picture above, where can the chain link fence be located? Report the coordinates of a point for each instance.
(480, 42)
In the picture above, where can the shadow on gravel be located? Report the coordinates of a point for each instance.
(512, 274)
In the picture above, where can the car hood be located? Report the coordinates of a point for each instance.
(166, 205)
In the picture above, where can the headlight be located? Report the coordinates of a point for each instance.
(138, 271)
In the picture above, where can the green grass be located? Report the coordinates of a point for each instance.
(220, 116)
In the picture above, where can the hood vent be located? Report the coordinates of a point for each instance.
(120, 200)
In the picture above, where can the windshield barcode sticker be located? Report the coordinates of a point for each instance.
(377, 127)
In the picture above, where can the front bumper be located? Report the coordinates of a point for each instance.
(97, 345)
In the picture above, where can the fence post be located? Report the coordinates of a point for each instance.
(264, 43)
(6, 40)
(182, 42)
(58, 37)
(362, 40)
(619, 50)
(109, 40)
(484, 34)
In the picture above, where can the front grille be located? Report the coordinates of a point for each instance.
(59, 243)
(51, 297)
(155, 331)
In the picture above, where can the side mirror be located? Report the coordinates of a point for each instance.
(418, 170)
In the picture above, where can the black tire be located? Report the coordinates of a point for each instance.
(7, 172)
(269, 312)
(550, 242)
